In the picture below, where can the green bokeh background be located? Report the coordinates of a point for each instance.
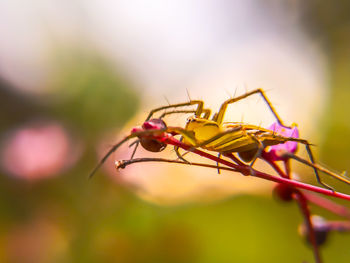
(101, 221)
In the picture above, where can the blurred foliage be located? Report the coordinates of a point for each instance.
(90, 93)
(329, 24)
(88, 97)
(15, 108)
(84, 92)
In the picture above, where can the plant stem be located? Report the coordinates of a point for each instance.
(327, 204)
(302, 201)
(245, 170)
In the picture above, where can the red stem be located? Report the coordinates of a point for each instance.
(328, 204)
(301, 198)
(245, 170)
(340, 226)
(302, 201)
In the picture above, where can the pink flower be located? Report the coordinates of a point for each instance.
(274, 152)
(36, 151)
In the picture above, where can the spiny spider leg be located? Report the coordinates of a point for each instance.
(242, 140)
(219, 117)
(341, 177)
(116, 146)
(198, 111)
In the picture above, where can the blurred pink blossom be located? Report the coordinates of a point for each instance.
(274, 152)
(36, 151)
(36, 240)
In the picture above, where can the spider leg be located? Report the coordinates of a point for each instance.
(234, 158)
(311, 157)
(235, 131)
(178, 154)
(197, 112)
(117, 145)
(342, 177)
(137, 143)
(122, 164)
(206, 115)
(232, 130)
(218, 117)
(312, 160)
(257, 154)
(217, 164)
(283, 139)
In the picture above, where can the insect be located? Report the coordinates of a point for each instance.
(247, 141)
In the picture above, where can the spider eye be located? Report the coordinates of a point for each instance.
(191, 119)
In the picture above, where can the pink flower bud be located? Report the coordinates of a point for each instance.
(275, 152)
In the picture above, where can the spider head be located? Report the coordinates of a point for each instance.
(195, 122)
(147, 142)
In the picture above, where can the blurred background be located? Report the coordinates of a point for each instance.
(76, 76)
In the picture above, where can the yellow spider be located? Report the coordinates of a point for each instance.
(248, 141)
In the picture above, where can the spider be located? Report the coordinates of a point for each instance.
(248, 141)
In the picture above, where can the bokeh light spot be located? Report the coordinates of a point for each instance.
(36, 151)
